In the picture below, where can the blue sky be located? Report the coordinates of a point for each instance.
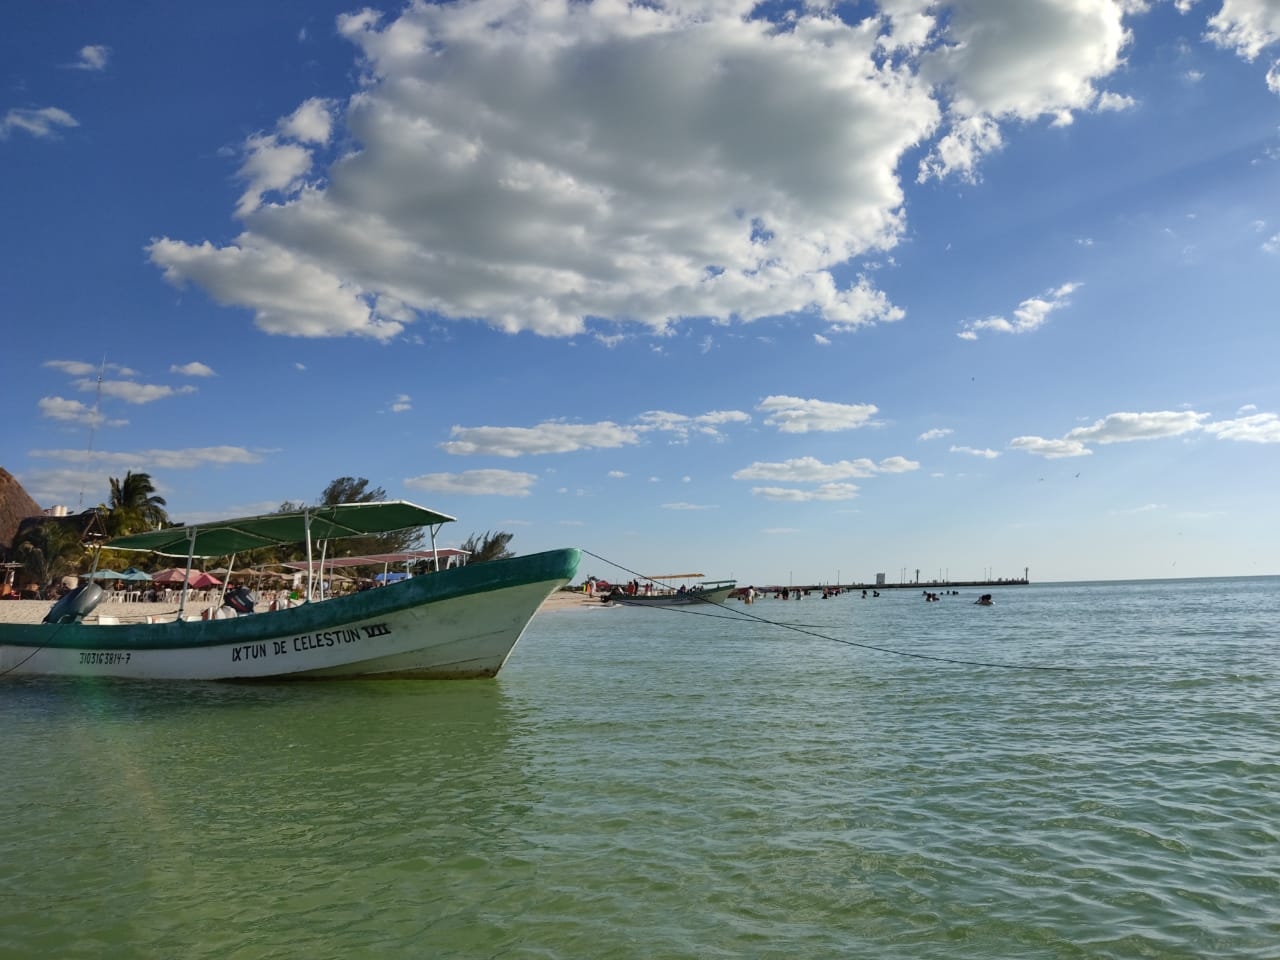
(780, 292)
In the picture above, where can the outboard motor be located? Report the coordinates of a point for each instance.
(240, 600)
(76, 605)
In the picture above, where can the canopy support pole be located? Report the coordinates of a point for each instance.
(306, 526)
(191, 552)
(324, 550)
(226, 579)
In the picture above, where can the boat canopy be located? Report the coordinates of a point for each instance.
(222, 537)
(373, 559)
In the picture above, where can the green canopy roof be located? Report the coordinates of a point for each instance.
(221, 537)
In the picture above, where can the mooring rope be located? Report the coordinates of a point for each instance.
(746, 615)
(43, 646)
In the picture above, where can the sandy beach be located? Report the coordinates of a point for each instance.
(33, 611)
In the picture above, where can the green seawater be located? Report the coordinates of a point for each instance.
(643, 783)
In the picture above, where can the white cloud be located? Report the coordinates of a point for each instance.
(131, 392)
(825, 476)
(1030, 315)
(714, 166)
(78, 368)
(73, 411)
(909, 24)
(1247, 26)
(401, 403)
(289, 295)
(1272, 244)
(148, 460)
(897, 465)
(796, 415)
(961, 150)
(58, 408)
(560, 437)
(193, 369)
(66, 486)
(1124, 427)
(1115, 102)
(75, 368)
(310, 123)
(707, 424)
(271, 165)
(1017, 61)
(688, 506)
(1050, 449)
(498, 483)
(807, 470)
(40, 123)
(715, 417)
(1145, 508)
(279, 162)
(616, 474)
(936, 433)
(544, 438)
(1255, 428)
(93, 58)
(975, 452)
(825, 492)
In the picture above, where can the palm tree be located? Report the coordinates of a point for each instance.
(356, 490)
(351, 490)
(134, 506)
(49, 551)
(492, 546)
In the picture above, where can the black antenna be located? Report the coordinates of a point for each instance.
(93, 426)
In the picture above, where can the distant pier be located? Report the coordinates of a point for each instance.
(911, 585)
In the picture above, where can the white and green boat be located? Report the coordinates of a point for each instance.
(660, 593)
(455, 623)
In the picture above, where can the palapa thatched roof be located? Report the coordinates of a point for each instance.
(16, 505)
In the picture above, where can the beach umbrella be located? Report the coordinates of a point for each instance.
(108, 575)
(202, 581)
(270, 574)
(133, 573)
(171, 575)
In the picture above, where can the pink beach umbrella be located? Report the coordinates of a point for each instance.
(199, 580)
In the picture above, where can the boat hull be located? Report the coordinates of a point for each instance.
(720, 595)
(454, 624)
